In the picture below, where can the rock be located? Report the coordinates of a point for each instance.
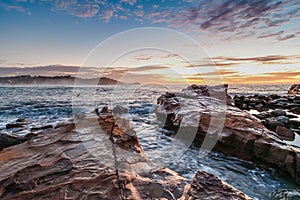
(120, 110)
(294, 123)
(295, 110)
(272, 123)
(41, 128)
(285, 134)
(10, 140)
(206, 186)
(294, 89)
(216, 91)
(262, 115)
(292, 116)
(16, 125)
(278, 112)
(283, 119)
(21, 120)
(99, 157)
(241, 134)
(285, 194)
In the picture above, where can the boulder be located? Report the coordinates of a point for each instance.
(285, 134)
(294, 89)
(278, 112)
(97, 156)
(211, 122)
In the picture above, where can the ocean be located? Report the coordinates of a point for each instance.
(52, 104)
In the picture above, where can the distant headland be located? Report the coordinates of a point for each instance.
(58, 80)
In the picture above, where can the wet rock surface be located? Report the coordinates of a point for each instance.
(199, 118)
(95, 156)
(206, 187)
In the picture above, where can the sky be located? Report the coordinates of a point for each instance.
(203, 41)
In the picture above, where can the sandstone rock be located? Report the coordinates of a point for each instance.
(285, 134)
(97, 156)
(230, 130)
(207, 187)
(294, 89)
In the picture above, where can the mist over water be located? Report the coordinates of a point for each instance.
(44, 105)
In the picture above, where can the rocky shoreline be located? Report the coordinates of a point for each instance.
(98, 156)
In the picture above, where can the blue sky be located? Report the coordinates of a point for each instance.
(250, 41)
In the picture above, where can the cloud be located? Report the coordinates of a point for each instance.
(14, 7)
(270, 77)
(107, 15)
(260, 59)
(286, 37)
(170, 55)
(232, 17)
(267, 35)
(130, 2)
(50, 70)
(143, 57)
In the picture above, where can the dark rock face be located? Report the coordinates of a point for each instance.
(285, 195)
(98, 157)
(242, 135)
(294, 89)
(204, 183)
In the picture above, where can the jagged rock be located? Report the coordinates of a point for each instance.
(285, 134)
(294, 89)
(205, 186)
(242, 135)
(97, 156)
(285, 194)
